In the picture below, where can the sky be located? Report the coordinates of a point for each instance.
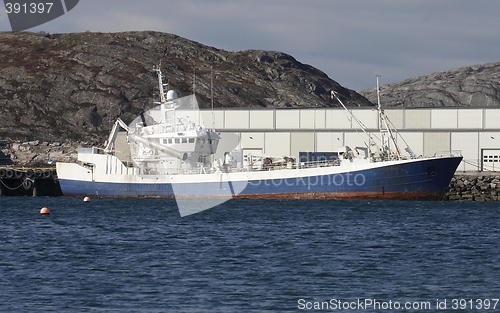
(349, 40)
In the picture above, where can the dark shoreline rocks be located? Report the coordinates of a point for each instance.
(474, 187)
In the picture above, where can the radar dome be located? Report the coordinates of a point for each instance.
(171, 95)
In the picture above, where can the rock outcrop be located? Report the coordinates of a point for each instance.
(477, 85)
(72, 87)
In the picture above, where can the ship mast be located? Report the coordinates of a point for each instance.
(212, 95)
(161, 84)
(384, 123)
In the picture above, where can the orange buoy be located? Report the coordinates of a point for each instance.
(86, 199)
(45, 211)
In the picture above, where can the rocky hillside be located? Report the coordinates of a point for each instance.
(477, 85)
(72, 87)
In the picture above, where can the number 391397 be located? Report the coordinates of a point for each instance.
(479, 304)
(33, 8)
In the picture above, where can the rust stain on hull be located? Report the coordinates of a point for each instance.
(350, 196)
(427, 196)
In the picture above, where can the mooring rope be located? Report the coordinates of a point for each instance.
(10, 188)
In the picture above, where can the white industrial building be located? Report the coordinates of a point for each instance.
(428, 131)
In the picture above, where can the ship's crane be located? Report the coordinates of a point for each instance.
(112, 135)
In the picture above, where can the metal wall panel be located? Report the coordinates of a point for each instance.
(320, 118)
(301, 142)
(396, 116)
(329, 141)
(219, 119)
(415, 141)
(492, 118)
(467, 143)
(207, 117)
(471, 119)
(263, 119)
(334, 118)
(307, 119)
(237, 119)
(252, 140)
(287, 119)
(490, 140)
(356, 139)
(418, 119)
(436, 142)
(444, 118)
(337, 119)
(277, 144)
(215, 119)
(368, 117)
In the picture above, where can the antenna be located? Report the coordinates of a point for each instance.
(194, 79)
(380, 120)
(378, 90)
(212, 95)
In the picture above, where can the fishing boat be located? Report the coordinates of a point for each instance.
(174, 155)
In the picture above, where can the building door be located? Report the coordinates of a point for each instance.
(490, 159)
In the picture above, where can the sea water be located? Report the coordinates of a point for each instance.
(139, 255)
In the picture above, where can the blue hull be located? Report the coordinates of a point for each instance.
(423, 179)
